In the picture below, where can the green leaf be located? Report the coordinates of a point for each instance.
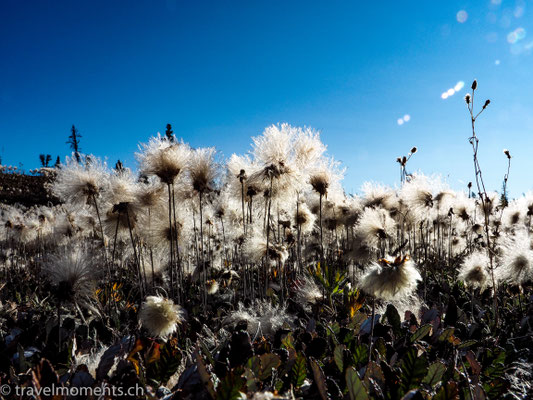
(230, 387)
(394, 319)
(435, 373)
(449, 391)
(421, 332)
(381, 348)
(496, 388)
(356, 389)
(497, 355)
(251, 380)
(494, 371)
(22, 359)
(414, 369)
(299, 371)
(374, 372)
(320, 379)
(288, 341)
(269, 362)
(254, 364)
(360, 354)
(467, 343)
(338, 355)
(357, 320)
(446, 334)
(205, 377)
(335, 328)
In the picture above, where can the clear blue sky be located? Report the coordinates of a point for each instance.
(220, 72)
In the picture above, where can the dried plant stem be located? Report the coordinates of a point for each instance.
(482, 192)
(371, 329)
(171, 241)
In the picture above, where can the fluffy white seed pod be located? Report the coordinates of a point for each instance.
(73, 272)
(516, 264)
(163, 158)
(160, 316)
(261, 318)
(374, 226)
(474, 270)
(390, 279)
(80, 183)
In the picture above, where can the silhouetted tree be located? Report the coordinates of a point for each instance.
(169, 133)
(58, 162)
(74, 141)
(504, 199)
(119, 166)
(45, 160)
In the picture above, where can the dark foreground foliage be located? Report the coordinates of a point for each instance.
(452, 350)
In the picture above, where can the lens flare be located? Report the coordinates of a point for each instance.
(516, 35)
(406, 118)
(459, 85)
(518, 12)
(400, 121)
(462, 16)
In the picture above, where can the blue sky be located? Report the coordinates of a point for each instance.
(220, 72)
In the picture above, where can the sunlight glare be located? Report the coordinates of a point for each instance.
(462, 16)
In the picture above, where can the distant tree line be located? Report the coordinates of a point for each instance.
(74, 143)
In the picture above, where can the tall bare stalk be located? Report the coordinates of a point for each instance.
(482, 192)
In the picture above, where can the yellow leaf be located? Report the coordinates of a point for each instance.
(154, 353)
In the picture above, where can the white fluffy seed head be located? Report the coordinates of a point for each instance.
(164, 158)
(261, 318)
(516, 263)
(374, 226)
(390, 279)
(474, 270)
(81, 183)
(202, 169)
(73, 272)
(306, 291)
(160, 316)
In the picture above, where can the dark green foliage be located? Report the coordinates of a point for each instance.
(414, 368)
(355, 387)
(299, 371)
(434, 374)
(393, 318)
